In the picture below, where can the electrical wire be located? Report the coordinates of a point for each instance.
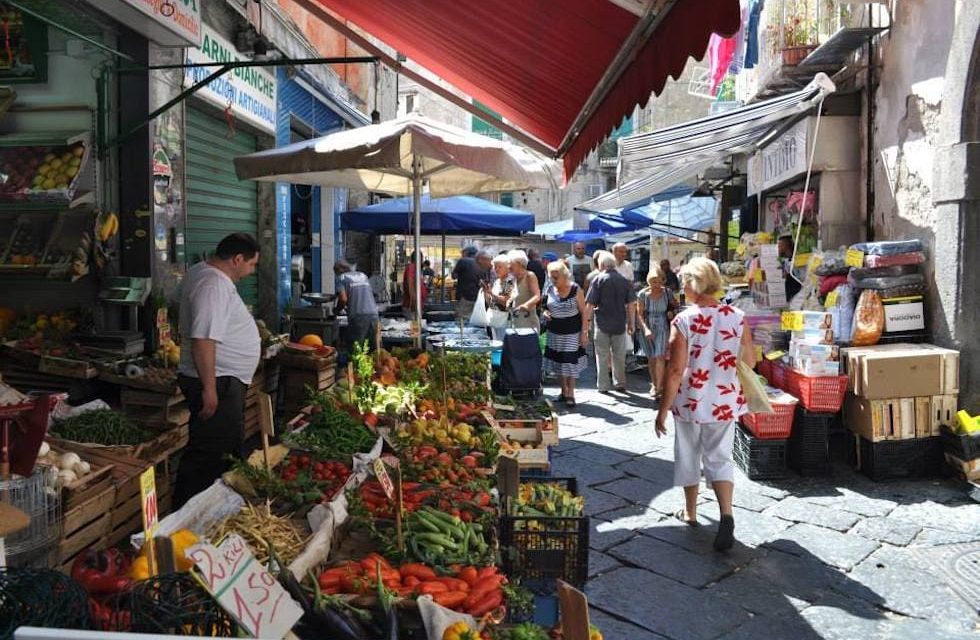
(806, 190)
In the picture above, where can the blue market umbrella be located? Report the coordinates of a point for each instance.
(455, 215)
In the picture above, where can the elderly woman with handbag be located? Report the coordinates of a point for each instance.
(655, 309)
(703, 391)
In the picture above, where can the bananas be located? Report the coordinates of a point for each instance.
(108, 226)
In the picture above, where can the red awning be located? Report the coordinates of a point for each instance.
(537, 62)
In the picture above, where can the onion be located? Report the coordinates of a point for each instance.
(66, 476)
(45, 448)
(82, 468)
(68, 461)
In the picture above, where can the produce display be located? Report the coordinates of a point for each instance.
(102, 426)
(332, 434)
(546, 499)
(40, 168)
(443, 468)
(263, 532)
(66, 468)
(298, 482)
(440, 539)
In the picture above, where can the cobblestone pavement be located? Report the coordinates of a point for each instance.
(837, 557)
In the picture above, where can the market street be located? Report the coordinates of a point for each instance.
(838, 557)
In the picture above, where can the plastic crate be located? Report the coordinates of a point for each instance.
(898, 459)
(539, 551)
(759, 459)
(821, 394)
(964, 447)
(779, 375)
(809, 446)
(771, 426)
(764, 367)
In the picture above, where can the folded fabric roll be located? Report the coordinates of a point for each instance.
(884, 272)
(830, 283)
(889, 248)
(894, 260)
(887, 282)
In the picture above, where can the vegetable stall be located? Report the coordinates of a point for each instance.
(391, 506)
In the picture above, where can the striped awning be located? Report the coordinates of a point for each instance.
(652, 162)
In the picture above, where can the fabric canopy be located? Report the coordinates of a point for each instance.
(457, 215)
(565, 72)
(599, 227)
(651, 162)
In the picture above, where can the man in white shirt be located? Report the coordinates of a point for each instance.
(625, 269)
(220, 350)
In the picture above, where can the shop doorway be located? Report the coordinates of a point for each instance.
(301, 207)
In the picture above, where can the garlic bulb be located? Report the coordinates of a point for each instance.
(68, 461)
(82, 468)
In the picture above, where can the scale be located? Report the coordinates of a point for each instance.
(318, 318)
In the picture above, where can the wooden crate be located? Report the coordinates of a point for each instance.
(91, 535)
(162, 446)
(537, 457)
(85, 525)
(81, 489)
(547, 427)
(67, 368)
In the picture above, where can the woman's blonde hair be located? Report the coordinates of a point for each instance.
(517, 257)
(702, 275)
(655, 273)
(558, 267)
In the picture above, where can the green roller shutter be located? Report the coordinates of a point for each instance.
(218, 203)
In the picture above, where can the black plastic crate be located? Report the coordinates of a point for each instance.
(809, 444)
(541, 550)
(759, 459)
(964, 447)
(898, 459)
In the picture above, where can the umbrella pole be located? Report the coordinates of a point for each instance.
(443, 268)
(417, 205)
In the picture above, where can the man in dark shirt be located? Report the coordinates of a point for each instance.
(610, 298)
(535, 266)
(467, 275)
(671, 281)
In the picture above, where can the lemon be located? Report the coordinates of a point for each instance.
(48, 184)
(48, 157)
(55, 163)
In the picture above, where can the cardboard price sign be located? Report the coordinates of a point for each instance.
(151, 513)
(854, 258)
(244, 588)
(791, 321)
(384, 479)
(574, 607)
(831, 300)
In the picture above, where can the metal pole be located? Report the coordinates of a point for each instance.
(417, 207)
(443, 268)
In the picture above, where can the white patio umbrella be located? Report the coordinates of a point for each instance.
(399, 156)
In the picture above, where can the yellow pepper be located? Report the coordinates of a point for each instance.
(459, 631)
(140, 569)
(183, 540)
(594, 633)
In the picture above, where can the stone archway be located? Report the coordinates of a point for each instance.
(956, 196)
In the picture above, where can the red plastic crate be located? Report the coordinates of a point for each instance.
(777, 425)
(765, 369)
(822, 394)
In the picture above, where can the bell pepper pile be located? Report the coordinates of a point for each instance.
(313, 480)
(467, 589)
(104, 574)
(378, 505)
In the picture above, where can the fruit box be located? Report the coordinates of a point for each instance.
(547, 424)
(532, 454)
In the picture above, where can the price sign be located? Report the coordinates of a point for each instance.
(791, 321)
(831, 300)
(854, 258)
(244, 588)
(384, 479)
(151, 513)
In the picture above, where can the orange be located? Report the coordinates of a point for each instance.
(311, 340)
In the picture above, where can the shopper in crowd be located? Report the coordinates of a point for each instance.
(596, 258)
(220, 350)
(704, 394)
(623, 266)
(535, 266)
(611, 301)
(467, 275)
(501, 292)
(654, 305)
(579, 263)
(354, 294)
(527, 292)
(428, 274)
(409, 303)
(568, 330)
(671, 281)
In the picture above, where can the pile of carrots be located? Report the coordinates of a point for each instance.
(472, 590)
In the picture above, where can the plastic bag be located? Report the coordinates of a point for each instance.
(869, 319)
(498, 319)
(916, 257)
(888, 248)
(752, 389)
(842, 313)
(887, 282)
(479, 317)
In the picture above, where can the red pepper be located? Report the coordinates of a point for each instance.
(102, 571)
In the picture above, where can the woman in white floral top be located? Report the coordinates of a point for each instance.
(703, 393)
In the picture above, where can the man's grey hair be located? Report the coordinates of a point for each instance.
(620, 245)
(469, 251)
(607, 262)
(483, 254)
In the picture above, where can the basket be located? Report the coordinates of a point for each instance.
(963, 446)
(809, 446)
(898, 459)
(764, 367)
(821, 394)
(541, 550)
(771, 426)
(759, 459)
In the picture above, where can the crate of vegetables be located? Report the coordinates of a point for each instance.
(508, 414)
(117, 433)
(544, 534)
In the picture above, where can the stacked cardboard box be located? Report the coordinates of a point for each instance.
(770, 292)
(812, 351)
(899, 393)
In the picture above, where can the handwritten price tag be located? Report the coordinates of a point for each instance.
(831, 300)
(244, 588)
(791, 321)
(854, 258)
(384, 479)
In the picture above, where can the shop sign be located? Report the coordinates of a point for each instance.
(779, 161)
(249, 92)
(169, 23)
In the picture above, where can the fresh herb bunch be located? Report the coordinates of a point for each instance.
(332, 435)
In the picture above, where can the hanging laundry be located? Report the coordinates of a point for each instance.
(752, 35)
(720, 54)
